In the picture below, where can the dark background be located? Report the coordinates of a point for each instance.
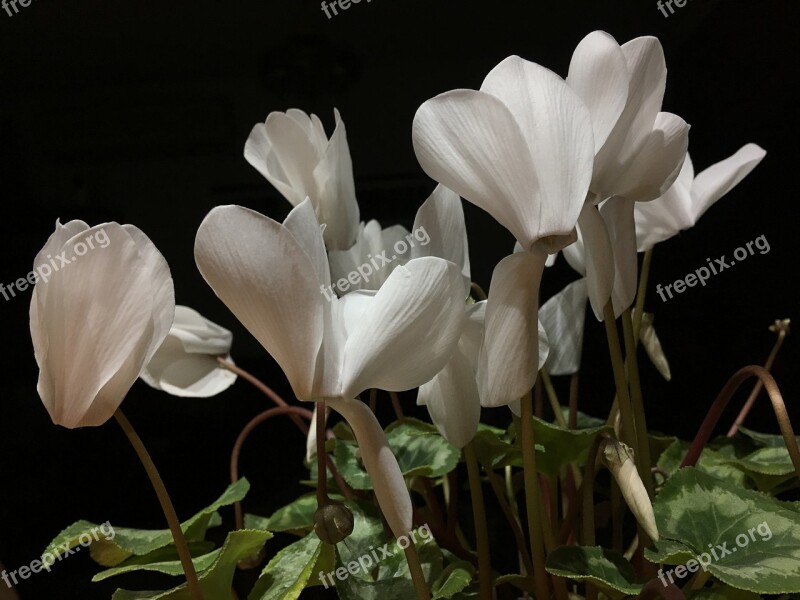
(138, 112)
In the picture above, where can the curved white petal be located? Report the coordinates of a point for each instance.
(259, 153)
(263, 275)
(647, 77)
(453, 401)
(664, 217)
(598, 73)
(557, 127)
(409, 330)
(470, 142)
(658, 162)
(441, 229)
(302, 223)
(652, 346)
(599, 257)
(563, 317)
(509, 357)
(338, 207)
(295, 155)
(198, 335)
(618, 216)
(544, 352)
(96, 322)
(379, 461)
(719, 179)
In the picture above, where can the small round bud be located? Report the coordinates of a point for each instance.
(333, 522)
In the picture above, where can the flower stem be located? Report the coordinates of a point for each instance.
(479, 517)
(398, 408)
(641, 293)
(532, 499)
(628, 433)
(721, 402)
(782, 331)
(553, 397)
(417, 576)
(166, 505)
(513, 522)
(642, 455)
(322, 467)
(265, 389)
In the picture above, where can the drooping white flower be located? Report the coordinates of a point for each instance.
(522, 149)
(272, 277)
(293, 152)
(690, 197)
(186, 362)
(97, 322)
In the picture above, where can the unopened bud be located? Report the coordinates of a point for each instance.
(618, 458)
(333, 522)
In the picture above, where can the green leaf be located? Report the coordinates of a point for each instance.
(290, 571)
(295, 517)
(113, 545)
(216, 580)
(418, 446)
(164, 560)
(454, 579)
(605, 568)
(744, 538)
(711, 461)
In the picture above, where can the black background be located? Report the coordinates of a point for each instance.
(138, 112)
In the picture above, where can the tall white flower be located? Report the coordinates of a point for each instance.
(186, 362)
(641, 155)
(272, 277)
(521, 148)
(690, 197)
(293, 152)
(97, 322)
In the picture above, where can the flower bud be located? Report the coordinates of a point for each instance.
(333, 522)
(618, 458)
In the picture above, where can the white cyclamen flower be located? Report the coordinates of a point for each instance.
(272, 277)
(186, 362)
(97, 322)
(521, 148)
(292, 151)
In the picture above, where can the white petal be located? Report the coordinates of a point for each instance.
(509, 357)
(575, 254)
(302, 223)
(198, 335)
(563, 317)
(664, 217)
(599, 257)
(716, 181)
(558, 129)
(441, 229)
(381, 464)
(453, 401)
(258, 269)
(337, 204)
(618, 216)
(470, 142)
(295, 154)
(598, 73)
(196, 377)
(96, 322)
(658, 162)
(259, 153)
(311, 438)
(647, 80)
(409, 331)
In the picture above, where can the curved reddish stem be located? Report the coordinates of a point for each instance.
(656, 589)
(265, 389)
(724, 397)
